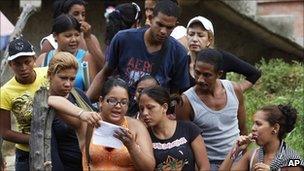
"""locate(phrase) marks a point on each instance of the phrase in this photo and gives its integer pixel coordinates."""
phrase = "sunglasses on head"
(137, 10)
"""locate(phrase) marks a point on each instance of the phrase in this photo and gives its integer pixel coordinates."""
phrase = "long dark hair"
(113, 82)
(64, 6)
(65, 22)
(124, 16)
(284, 115)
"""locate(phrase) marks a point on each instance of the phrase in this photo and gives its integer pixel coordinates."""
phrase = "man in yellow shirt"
(17, 98)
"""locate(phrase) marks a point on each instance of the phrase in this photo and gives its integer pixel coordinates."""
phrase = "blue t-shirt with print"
(130, 57)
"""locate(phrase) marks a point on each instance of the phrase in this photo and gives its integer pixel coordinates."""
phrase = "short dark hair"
(145, 77)
(211, 56)
(284, 115)
(168, 8)
(64, 6)
(113, 82)
(65, 22)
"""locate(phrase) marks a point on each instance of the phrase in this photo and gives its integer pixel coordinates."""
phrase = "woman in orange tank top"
(136, 152)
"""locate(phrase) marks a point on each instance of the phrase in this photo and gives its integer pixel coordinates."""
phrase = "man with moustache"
(147, 51)
(215, 105)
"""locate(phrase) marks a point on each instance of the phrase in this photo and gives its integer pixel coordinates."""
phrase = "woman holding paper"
(177, 145)
(136, 152)
(66, 30)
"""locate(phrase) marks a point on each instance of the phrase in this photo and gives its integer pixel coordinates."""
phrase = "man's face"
(162, 26)
(23, 68)
(205, 75)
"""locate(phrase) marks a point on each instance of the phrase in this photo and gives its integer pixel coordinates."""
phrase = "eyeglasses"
(113, 102)
(137, 10)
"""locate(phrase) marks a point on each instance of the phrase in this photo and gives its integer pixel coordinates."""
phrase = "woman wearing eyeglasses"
(136, 153)
(125, 16)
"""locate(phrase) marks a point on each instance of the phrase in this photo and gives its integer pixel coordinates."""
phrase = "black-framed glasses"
(137, 10)
(113, 102)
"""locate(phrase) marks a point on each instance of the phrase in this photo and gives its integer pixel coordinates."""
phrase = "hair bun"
(290, 114)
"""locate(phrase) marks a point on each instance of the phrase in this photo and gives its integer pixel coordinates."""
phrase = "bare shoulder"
(237, 88)
(94, 37)
(135, 124)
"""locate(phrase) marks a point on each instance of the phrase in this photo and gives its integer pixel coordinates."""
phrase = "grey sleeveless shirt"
(219, 128)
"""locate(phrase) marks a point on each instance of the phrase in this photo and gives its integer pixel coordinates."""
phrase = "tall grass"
(280, 83)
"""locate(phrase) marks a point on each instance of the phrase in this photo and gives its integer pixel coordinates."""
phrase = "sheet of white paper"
(104, 135)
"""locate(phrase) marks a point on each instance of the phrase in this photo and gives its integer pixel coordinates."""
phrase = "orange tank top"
(105, 158)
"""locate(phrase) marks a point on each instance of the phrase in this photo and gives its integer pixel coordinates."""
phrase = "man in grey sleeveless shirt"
(215, 105)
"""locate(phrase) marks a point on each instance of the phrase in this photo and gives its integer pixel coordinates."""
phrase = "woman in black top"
(65, 151)
(200, 35)
(177, 145)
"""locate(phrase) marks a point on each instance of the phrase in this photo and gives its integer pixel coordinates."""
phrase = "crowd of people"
(169, 96)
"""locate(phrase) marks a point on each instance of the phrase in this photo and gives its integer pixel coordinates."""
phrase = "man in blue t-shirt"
(138, 52)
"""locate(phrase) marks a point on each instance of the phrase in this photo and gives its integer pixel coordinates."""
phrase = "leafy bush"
(280, 83)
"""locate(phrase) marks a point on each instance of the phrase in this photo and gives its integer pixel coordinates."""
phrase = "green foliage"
(280, 83)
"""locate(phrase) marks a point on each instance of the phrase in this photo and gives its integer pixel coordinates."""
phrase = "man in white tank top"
(215, 105)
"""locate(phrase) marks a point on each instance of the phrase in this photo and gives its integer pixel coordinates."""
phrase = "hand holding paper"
(104, 135)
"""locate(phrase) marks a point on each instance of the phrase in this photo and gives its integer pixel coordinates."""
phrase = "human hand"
(241, 144)
(243, 141)
(91, 118)
(261, 167)
(86, 29)
(125, 136)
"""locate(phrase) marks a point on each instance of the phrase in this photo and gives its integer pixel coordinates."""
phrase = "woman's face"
(68, 41)
(151, 112)
(62, 82)
(197, 38)
(144, 84)
(115, 105)
(78, 11)
(261, 129)
(149, 6)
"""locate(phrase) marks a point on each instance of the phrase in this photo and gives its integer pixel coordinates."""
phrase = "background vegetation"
(280, 83)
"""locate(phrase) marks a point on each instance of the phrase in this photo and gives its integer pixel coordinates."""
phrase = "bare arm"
(184, 111)
(241, 114)
(242, 164)
(40, 59)
(240, 145)
(77, 115)
(92, 67)
(94, 90)
(200, 153)
(92, 45)
(7, 133)
(245, 85)
(139, 145)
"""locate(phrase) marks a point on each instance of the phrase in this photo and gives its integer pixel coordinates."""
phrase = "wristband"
(80, 113)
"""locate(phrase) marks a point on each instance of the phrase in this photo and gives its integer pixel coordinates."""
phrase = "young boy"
(17, 98)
